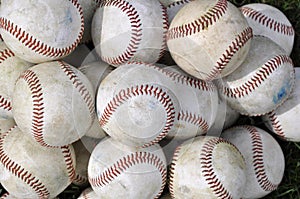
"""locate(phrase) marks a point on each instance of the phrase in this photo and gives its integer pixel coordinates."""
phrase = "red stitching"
(209, 18)
(172, 169)
(125, 163)
(5, 103)
(128, 93)
(189, 81)
(258, 163)
(267, 21)
(194, 119)
(4, 55)
(20, 172)
(178, 3)
(207, 168)
(235, 46)
(69, 162)
(263, 73)
(136, 31)
(38, 46)
(37, 124)
(87, 97)
(276, 124)
(165, 21)
(179, 78)
(79, 179)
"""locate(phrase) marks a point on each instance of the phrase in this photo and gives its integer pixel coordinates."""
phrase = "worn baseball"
(283, 120)
(263, 156)
(263, 82)
(9, 196)
(11, 67)
(82, 155)
(125, 30)
(88, 10)
(96, 71)
(198, 104)
(33, 171)
(214, 32)
(174, 6)
(269, 21)
(39, 30)
(6, 125)
(117, 171)
(225, 118)
(136, 105)
(54, 103)
(207, 167)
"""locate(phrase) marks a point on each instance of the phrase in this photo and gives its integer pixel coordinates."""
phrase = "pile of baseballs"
(141, 98)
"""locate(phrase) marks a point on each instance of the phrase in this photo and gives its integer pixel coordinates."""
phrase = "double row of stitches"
(149, 90)
(38, 46)
(198, 25)
(194, 119)
(37, 124)
(165, 23)
(177, 77)
(136, 31)
(175, 158)
(5, 103)
(276, 124)
(20, 172)
(131, 160)
(240, 41)
(206, 158)
(258, 78)
(178, 3)
(267, 21)
(66, 151)
(258, 160)
(79, 85)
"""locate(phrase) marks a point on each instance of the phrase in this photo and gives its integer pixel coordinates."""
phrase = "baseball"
(9, 196)
(225, 118)
(266, 20)
(88, 10)
(264, 159)
(11, 67)
(39, 30)
(96, 71)
(117, 170)
(6, 125)
(125, 30)
(262, 83)
(207, 167)
(198, 104)
(32, 171)
(214, 32)
(282, 120)
(136, 105)
(54, 103)
(82, 158)
(174, 7)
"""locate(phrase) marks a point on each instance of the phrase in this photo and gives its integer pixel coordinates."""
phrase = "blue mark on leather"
(283, 92)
